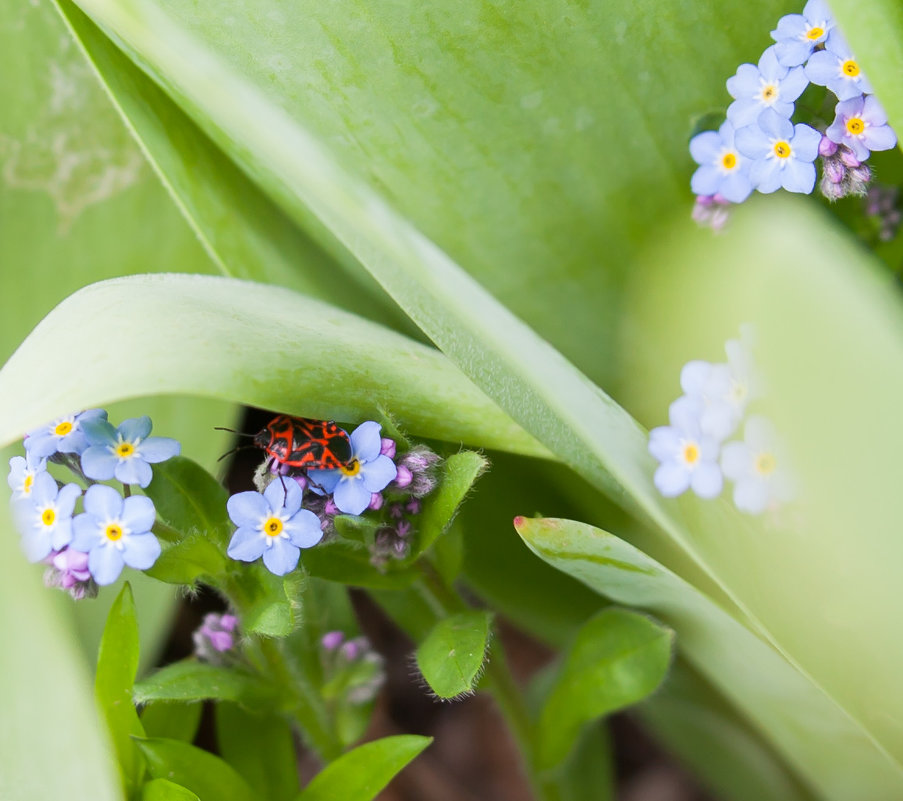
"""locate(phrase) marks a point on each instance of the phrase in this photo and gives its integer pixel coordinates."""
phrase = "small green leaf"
(117, 664)
(356, 528)
(204, 774)
(265, 603)
(618, 658)
(451, 657)
(459, 472)
(349, 563)
(360, 774)
(190, 680)
(165, 790)
(261, 748)
(187, 561)
(188, 499)
(172, 720)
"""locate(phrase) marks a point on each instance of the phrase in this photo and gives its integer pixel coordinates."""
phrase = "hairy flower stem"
(305, 706)
(497, 678)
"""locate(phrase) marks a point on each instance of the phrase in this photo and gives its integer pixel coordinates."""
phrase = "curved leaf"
(165, 790)
(360, 774)
(452, 655)
(219, 337)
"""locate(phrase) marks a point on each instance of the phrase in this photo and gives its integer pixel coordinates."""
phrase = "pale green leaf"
(451, 657)
(165, 790)
(360, 774)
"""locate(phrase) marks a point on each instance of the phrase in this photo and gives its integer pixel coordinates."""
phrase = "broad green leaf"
(727, 754)
(187, 561)
(207, 336)
(822, 744)
(618, 658)
(172, 720)
(45, 695)
(188, 499)
(459, 473)
(165, 790)
(204, 774)
(117, 664)
(190, 680)
(452, 655)
(261, 748)
(243, 231)
(360, 774)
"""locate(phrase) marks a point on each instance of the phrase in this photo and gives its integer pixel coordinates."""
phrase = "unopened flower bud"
(387, 447)
(376, 501)
(332, 640)
(69, 571)
(826, 147)
(847, 157)
(403, 477)
(215, 637)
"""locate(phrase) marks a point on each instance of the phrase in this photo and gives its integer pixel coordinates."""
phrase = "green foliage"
(165, 790)
(618, 658)
(117, 664)
(261, 748)
(452, 655)
(205, 775)
(190, 680)
(173, 721)
(360, 774)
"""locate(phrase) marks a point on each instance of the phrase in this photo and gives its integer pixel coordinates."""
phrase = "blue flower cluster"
(760, 148)
(278, 521)
(693, 451)
(89, 548)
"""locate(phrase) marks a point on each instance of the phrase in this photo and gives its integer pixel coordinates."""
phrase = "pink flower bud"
(387, 447)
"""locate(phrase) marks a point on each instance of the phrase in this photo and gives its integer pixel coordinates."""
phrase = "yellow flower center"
(352, 468)
(769, 92)
(61, 429)
(26, 485)
(765, 464)
(124, 450)
(814, 33)
(691, 453)
(48, 516)
(850, 68)
(113, 532)
(273, 527)
(782, 149)
(729, 161)
(855, 126)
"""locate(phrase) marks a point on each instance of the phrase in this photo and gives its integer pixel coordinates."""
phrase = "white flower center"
(768, 93)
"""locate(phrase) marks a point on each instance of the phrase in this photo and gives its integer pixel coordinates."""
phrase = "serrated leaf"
(190, 680)
(205, 336)
(458, 475)
(117, 664)
(204, 774)
(452, 655)
(261, 747)
(360, 774)
(815, 736)
(165, 790)
(171, 720)
(618, 658)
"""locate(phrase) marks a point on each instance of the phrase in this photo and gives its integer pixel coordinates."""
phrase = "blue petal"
(671, 479)
(247, 544)
(99, 432)
(44, 489)
(303, 529)
(36, 545)
(744, 111)
(752, 142)
(366, 442)
(706, 180)
(880, 137)
(159, 449)
(247, 508)
(41, 442)
(664, 443)
(736, 187)
(769, 67)
(135, 428)
(766, 176)
(99, 462)
(378, 473)
(65, 501)
(133, 470)
(745, 83)
(351, 496)
(707, 480)
(103, 502)
(705, 147)
(327, 479)
(774, 125)
(822, 68)
(16, 475)
(105, 564)
(793, 52)
(61, 535)
(281, 557)
(138, 514)
(794, 84)
(799, 176)
(805, 142)
(140, 551)
(284, 494)
(86, 533)
(90, 415)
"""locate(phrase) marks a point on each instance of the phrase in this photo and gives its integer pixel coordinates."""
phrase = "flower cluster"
(294, 508)
(352, 668)
(759, 147)
(694, 451)
(216, 639)
(113, 529)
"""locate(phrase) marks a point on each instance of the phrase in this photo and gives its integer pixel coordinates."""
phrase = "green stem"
(308, 708)
(497, 678)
